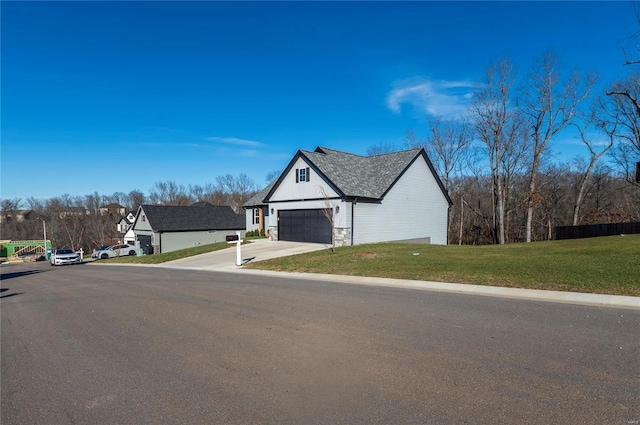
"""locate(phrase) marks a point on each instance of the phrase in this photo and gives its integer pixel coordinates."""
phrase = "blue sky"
(115, 96)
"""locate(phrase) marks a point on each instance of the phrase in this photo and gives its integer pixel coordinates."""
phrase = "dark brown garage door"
(303, 226)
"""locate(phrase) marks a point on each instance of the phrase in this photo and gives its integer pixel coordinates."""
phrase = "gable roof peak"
(355, 176)
(416, 150)
(326, 151)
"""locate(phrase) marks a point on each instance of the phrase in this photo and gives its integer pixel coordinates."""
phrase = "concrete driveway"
(257, 250)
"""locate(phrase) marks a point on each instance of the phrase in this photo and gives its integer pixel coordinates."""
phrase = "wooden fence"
(593, 230)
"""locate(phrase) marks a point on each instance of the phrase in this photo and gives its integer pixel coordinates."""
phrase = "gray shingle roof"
(165, 218)
(361, 176)
(354, 175)
(257, 199)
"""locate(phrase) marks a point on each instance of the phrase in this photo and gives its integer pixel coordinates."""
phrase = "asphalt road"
(93, 344)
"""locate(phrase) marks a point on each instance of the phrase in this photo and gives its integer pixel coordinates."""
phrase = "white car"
(114, 251)
(64, 256)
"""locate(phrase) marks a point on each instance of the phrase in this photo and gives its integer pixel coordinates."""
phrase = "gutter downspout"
(353, 203)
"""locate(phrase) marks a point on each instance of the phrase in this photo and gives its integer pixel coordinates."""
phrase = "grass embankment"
(605, 265)
(170, 256)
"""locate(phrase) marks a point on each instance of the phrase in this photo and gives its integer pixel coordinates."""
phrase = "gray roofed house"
(112, 209)
(168, 228)
(257, 210)
(394, 196)
(258, 198)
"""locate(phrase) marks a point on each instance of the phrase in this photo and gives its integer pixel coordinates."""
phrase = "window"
(302, 175)
(256, 215)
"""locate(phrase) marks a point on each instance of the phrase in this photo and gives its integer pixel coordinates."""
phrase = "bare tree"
(169, 193)
(215, 195)
(447, 146)
(492, 118)
(596, 148)
(71, 221)
(625, 110)
(627, 61)
(117, 198)
(99, 228)
(9, 226)
(328, 212)
(514, 159)
(554, 199)
(8, 208)
(382, 149)
(549, 104)
(134, 199)
(272, 176)
(238, 189)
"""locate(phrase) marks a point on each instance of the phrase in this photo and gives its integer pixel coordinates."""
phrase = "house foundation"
(342, 236)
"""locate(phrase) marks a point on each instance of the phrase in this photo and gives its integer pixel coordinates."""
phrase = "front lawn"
(170, 256)
(605, 265)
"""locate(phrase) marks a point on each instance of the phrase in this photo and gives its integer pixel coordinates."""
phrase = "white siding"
(347, 214)
(130, 237)
(415, 207)
(288, 189)
(142, 223)
(249, 220)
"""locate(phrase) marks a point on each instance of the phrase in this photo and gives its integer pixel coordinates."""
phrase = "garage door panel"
(304, 226)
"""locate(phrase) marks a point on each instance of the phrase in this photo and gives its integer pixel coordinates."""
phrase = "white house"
(391, 197)
(124, 224)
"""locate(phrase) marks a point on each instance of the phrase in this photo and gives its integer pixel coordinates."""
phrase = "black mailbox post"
(232, 238)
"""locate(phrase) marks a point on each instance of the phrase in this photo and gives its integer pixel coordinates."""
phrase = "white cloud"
(235, 141)
(249, 152)
(447, 99)
(596, 141)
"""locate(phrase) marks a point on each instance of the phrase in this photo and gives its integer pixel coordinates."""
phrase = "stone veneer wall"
(273, 233)
(342, 236)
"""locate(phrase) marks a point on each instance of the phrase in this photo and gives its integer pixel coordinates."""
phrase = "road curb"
(614, 301)
(617, 301)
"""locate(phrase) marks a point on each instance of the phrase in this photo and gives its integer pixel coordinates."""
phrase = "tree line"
(84, 222)
(497, 163)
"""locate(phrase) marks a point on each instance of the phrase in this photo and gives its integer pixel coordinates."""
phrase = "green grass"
(170, 256)
(605, 265)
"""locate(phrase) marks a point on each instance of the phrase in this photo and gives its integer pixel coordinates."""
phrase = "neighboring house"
(124, 224)
(113, 209)
(18, 215)
(73, 211)
(390, 197)
(257, 211)
(169, 228)
(130, 237)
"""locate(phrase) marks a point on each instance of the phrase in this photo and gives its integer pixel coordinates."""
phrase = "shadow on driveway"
(6, 276)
